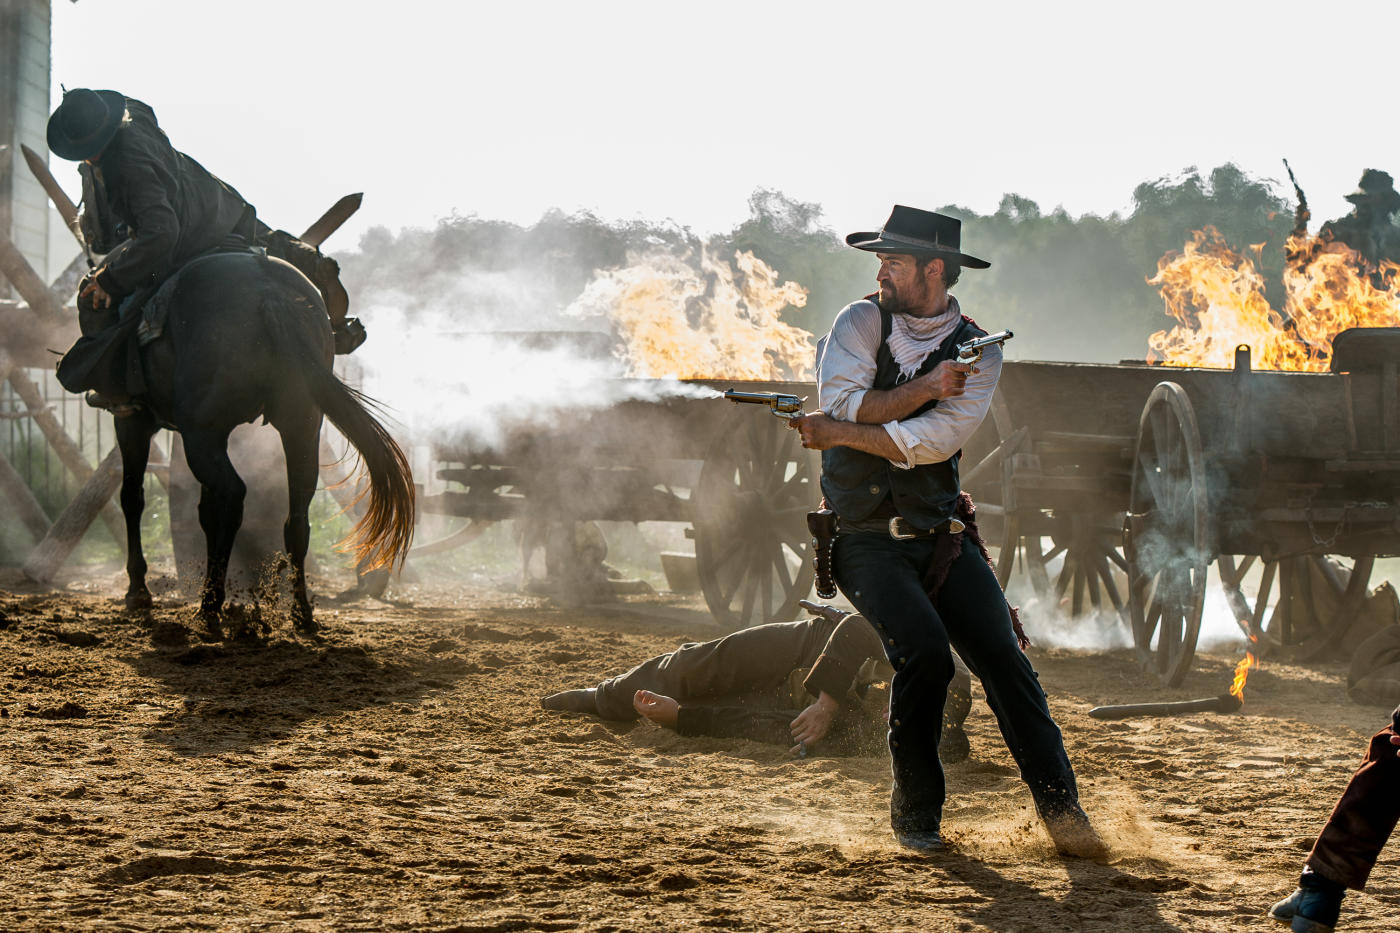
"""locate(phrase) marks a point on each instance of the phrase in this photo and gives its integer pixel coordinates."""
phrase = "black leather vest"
(855, 483)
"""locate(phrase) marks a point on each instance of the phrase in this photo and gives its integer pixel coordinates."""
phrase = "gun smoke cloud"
(483, 339)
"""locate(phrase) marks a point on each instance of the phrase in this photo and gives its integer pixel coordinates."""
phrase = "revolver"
(971, 351)
(784, 406)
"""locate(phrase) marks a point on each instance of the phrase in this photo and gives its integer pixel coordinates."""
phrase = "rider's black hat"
(1378, 187)
(85, 123)
(918, 233)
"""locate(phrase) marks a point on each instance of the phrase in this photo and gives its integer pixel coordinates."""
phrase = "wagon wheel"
(1091, 550)
(1166, 534)
(752, 547)
(1304, 623)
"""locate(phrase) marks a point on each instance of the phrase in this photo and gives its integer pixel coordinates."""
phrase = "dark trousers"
(1364, 818)
(883, 578)
(738, 686)
(746, 668)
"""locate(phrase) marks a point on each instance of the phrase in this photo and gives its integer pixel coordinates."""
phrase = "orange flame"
(718, 321)
(1216, 294)
(1242, 669)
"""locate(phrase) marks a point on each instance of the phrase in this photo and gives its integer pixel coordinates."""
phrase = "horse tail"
(383, 534)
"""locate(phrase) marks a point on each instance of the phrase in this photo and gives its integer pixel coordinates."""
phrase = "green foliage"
(1072, 288)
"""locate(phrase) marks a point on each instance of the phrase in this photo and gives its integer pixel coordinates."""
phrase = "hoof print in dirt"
(69, 710)
(170, 634)
(199, 654)
(77, 638)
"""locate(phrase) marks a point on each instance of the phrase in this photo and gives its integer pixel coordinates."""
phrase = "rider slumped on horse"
(150, 208)
(896, 409)
(244, 335)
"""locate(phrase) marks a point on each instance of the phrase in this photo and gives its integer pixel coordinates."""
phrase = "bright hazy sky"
(659, 110)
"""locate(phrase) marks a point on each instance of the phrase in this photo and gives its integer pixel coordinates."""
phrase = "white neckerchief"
(912, 339)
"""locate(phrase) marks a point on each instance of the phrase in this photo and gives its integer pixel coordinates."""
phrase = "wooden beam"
(62, 445)
(27, 282)
(51, 553)
(21, 497)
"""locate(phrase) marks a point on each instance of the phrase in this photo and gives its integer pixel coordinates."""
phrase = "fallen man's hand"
(814, 722)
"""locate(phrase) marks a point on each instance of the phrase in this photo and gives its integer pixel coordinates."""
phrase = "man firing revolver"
(896, 407)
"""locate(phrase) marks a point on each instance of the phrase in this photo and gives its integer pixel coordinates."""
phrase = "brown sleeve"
(851, 645)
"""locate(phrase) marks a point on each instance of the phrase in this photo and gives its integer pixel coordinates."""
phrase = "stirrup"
(348, 336)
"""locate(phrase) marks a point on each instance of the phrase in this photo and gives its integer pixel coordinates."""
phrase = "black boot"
(1314, 907)
(348, 336)
(119, 407)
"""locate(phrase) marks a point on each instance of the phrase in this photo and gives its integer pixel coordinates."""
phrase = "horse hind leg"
(220, 513)
(134, 433)
(301, 445)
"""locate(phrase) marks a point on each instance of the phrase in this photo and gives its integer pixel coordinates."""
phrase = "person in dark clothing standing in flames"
(895, 409)
(151, 208)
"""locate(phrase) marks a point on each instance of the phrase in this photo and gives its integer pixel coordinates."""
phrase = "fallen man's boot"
(954, 746)
(120, 407)
(572, 701)
(1309, 910)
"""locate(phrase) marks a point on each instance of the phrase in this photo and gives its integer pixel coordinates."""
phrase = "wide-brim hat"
(918, 233)
(85, 123)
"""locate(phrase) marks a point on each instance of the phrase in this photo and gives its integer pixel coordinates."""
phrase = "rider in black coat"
(151, 208)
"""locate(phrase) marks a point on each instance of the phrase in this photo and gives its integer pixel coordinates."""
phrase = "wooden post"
(30, 512)
(27, 282)
(70, 527)
(63, 445)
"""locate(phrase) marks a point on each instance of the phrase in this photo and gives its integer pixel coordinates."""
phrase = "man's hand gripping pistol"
(821, 522)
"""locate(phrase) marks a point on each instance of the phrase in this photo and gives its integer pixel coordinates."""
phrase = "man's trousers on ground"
(1364, 817)
(884, 579)
(738, 686)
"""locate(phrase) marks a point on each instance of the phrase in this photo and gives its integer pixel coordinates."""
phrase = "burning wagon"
(1126, 482)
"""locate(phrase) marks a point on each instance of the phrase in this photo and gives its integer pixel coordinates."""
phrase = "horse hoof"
(305, 624)
(210, 621)
(138, 600)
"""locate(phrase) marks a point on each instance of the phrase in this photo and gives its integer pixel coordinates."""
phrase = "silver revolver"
(971, 351)
(784, 406)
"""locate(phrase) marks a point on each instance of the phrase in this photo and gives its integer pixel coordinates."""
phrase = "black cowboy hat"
(918, 233)
(1375, 185)
(85, 123)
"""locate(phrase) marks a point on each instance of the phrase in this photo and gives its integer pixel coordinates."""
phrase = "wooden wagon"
(1126, 482)
(734, 474)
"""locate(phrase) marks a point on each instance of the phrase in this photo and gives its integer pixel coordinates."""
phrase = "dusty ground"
(397, 774)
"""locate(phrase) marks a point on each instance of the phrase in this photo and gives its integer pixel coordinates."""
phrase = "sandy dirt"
(396, 773)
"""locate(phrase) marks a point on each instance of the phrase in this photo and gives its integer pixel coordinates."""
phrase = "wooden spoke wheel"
(1088, 578)
(1299, 607)
(752, 546)
(1167, 534)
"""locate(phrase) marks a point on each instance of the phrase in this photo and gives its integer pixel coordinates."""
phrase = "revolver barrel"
(971, 351)
(784, 406)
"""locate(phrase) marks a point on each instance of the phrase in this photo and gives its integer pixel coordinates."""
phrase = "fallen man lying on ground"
(818, 684)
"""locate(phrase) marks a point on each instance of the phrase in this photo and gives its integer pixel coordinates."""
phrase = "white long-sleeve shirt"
(846, 371)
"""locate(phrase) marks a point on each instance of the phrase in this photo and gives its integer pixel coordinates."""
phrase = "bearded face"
(903, 287)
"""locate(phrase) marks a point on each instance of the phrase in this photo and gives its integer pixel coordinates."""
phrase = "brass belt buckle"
(894, 530)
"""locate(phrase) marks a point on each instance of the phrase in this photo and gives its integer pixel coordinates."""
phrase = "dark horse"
(248, 336)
